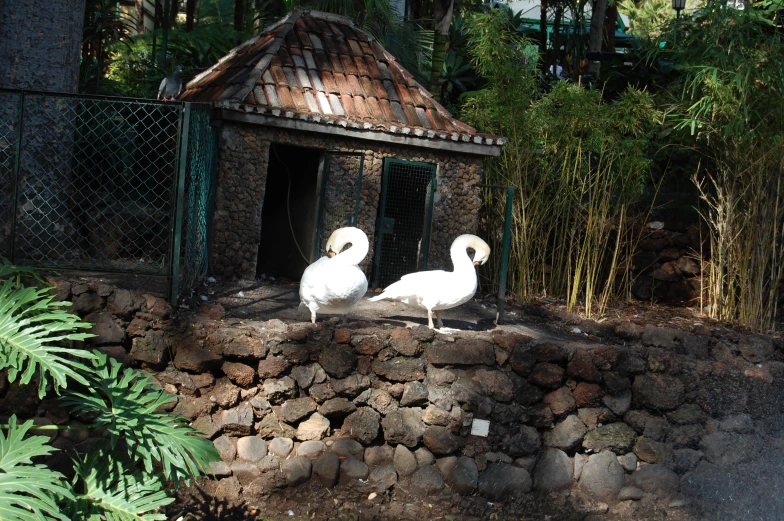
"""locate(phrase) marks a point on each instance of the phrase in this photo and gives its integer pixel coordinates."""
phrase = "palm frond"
(31, 329)
(113, 491)
(27, 491)
(126, 404)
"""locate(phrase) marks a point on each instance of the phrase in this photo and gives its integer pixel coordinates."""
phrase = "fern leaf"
(31, 326)
(127, 405)
(114, 492)
(27, 491)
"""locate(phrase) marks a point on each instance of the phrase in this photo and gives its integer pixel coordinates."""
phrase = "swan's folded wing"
(346, 283)
(413, 284)
(311, 278)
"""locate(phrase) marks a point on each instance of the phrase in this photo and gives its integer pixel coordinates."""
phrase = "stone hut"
(323, 128)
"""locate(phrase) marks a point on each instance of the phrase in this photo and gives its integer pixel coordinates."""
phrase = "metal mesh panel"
(406, 205)
(95, 183)
(90, 183)
(197, 202)
(342, 183)
(9, 137)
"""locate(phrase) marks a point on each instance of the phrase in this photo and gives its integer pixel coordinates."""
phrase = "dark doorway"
(289, 211)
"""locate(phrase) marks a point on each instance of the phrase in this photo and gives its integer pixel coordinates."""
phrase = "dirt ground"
(264, 300)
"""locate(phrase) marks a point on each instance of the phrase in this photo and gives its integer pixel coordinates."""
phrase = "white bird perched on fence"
(171, 85)
(438, 289)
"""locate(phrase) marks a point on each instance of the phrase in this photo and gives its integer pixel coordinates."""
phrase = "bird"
(171, 85)
(437, 290)
(334, 284)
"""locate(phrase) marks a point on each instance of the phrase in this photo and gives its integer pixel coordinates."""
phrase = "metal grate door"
(106, 184)
(403, 228)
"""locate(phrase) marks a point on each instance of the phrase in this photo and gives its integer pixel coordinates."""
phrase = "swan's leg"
(430, 319)
(313, 316)
(440, 322)
(345, 319)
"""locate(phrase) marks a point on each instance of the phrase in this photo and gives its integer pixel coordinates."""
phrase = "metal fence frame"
(183, 185)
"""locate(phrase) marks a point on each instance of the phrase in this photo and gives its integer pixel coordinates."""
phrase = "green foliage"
(579, 165)
(135, 69)
(115, 491)
(725, 108)
(126, 406)
(649, 18)
(121, 478)
(28, 491)
(732, 72)
(31, 331)
(106, 29)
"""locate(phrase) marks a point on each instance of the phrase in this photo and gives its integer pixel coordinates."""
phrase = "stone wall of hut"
(242, 175)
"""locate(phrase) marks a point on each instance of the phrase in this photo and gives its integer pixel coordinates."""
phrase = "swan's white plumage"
(334, 285)
(436, 290)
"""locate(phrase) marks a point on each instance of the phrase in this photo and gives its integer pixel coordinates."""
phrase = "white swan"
(335, 284)
(438, 289)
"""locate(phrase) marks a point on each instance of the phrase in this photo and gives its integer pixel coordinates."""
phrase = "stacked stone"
(667, 263)
(660, 416)
(242, 175)
(608, 423)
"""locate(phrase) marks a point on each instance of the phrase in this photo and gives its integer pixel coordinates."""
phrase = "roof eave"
(460, 146)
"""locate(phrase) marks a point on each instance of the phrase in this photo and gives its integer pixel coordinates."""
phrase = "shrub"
(124, 475)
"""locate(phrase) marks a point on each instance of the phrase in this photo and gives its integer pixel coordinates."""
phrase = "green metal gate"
(403, 227)
(341, 191)
(106, 184)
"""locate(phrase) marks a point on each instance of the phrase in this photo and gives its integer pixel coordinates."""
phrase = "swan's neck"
(357, 252)
(460, 259)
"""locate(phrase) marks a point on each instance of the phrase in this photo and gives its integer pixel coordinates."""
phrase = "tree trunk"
(174, 7)
(557, 32)
(239, 15)
(190, 14)
(597, 28)
(39, 45)
(543, 28)
(442, 10)
(610, 26)
(140, 16)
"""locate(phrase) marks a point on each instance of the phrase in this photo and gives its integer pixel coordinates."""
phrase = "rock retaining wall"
(650, 413)
(668, 263)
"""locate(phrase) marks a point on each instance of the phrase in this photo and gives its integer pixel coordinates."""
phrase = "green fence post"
(505, 255)
(17, 166)
(180, 202)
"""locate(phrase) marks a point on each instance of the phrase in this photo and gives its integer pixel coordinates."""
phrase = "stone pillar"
(39, 48)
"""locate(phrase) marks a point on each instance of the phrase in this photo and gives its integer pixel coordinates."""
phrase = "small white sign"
(480, 428)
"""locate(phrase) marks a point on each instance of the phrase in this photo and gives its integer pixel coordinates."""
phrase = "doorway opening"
(289, 211)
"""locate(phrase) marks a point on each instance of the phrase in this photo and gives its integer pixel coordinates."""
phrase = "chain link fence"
(106, 184)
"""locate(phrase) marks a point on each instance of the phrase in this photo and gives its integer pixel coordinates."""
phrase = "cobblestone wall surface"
(242, 173)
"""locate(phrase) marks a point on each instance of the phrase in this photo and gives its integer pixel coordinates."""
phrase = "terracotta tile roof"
(319, 67)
